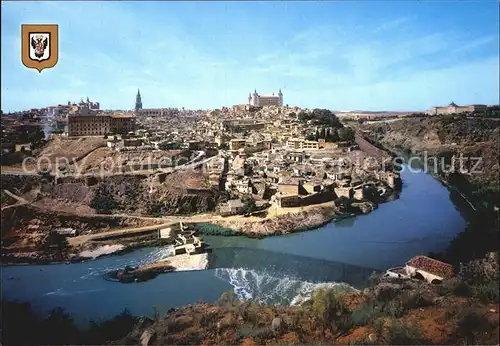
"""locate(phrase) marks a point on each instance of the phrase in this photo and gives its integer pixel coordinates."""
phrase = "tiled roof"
(432, 266)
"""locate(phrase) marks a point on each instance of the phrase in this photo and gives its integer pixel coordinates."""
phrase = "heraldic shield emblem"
(39, 45)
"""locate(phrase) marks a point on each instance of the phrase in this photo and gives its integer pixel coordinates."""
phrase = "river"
(278, 270)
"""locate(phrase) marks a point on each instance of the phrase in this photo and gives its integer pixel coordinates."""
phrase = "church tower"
(138, 102)
(280, 94)
(255, 98)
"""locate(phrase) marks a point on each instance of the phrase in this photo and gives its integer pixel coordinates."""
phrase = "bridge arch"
(420, 276)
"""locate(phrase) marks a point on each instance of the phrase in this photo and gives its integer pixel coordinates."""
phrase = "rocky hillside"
(178, 193)
(182, 192)
(462, 310)
(446, 136)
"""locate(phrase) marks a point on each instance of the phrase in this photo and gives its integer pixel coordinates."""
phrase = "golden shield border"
(53, 31)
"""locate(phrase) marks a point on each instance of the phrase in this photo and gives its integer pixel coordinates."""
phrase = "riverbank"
(281, 221)
(273, 270)
(301, 220)
(86, 252)
(451, 187)
(276, 221)
(475, 195)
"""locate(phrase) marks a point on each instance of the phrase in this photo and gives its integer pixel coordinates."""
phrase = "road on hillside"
(367, 147)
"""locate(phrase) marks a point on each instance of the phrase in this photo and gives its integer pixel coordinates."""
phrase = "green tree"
(103, 200)
(333, 136)
(320, 117)
(322, 133)
(249, 206)
(31, 134)
(58, 328)
(55, 239)
(169, 146)
(346, 134)
(329, 308)
(304, 117)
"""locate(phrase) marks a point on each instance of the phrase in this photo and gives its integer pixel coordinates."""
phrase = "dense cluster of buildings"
(262, 149)
(268, 157)
(293, 178)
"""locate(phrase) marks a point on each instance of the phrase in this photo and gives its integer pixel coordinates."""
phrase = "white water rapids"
(267, 288)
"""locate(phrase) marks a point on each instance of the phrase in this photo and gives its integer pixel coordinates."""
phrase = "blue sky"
(370, 55)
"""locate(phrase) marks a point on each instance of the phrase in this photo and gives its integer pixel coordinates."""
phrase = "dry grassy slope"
(71, 148)
(389, 312)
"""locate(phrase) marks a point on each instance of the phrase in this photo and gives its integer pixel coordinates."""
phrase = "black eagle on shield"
(39, 44)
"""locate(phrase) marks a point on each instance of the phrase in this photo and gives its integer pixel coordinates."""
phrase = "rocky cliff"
(445, 136)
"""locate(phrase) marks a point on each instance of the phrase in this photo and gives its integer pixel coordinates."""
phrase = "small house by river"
(429, 269)
(423, 268)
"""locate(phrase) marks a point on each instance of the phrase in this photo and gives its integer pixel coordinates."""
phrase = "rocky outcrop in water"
(282, 224)
(139, 274)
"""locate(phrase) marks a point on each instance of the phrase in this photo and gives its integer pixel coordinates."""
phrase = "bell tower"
(138, 102)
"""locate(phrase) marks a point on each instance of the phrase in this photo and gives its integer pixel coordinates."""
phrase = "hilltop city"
(81, 183)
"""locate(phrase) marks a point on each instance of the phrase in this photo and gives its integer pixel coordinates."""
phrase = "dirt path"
(369, 148)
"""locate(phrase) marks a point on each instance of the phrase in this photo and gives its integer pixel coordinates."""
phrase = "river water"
(277, 270)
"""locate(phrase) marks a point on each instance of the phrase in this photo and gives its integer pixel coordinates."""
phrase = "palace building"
(265, 100)
(453, 108)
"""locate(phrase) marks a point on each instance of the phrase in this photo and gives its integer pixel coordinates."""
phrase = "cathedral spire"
(138, 101)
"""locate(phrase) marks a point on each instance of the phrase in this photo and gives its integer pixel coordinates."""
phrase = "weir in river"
(281, 269)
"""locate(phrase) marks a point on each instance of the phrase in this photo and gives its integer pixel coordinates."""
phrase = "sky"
(344, 55)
